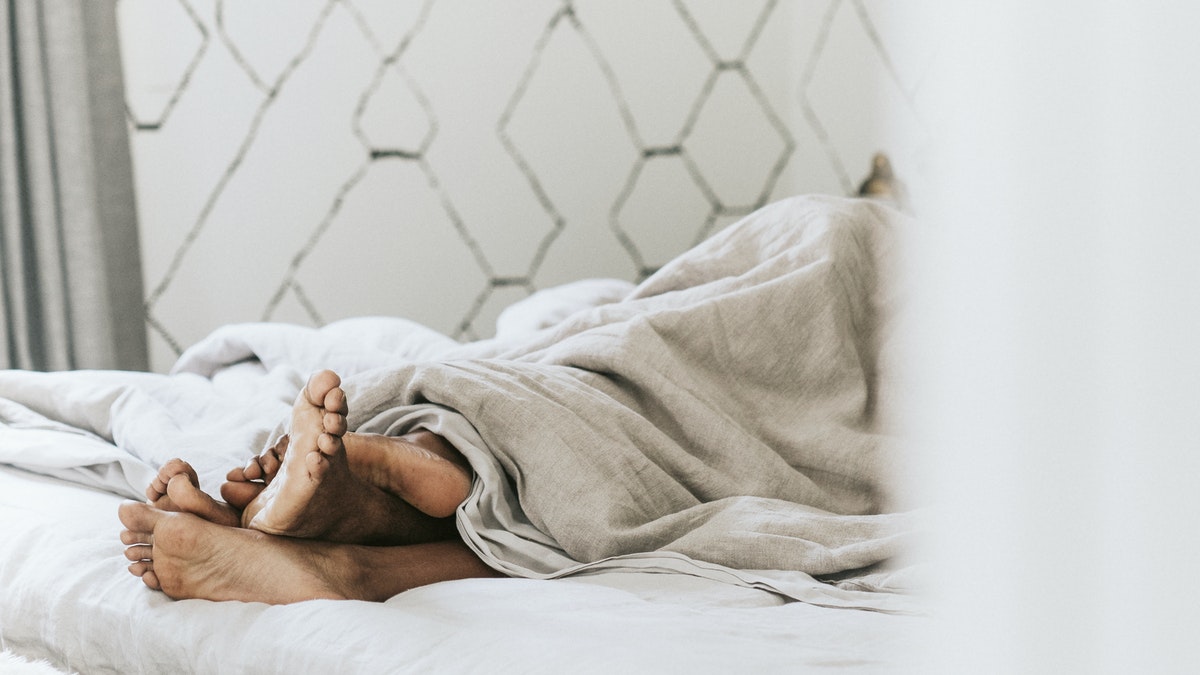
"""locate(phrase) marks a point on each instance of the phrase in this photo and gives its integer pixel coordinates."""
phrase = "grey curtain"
(70, 268)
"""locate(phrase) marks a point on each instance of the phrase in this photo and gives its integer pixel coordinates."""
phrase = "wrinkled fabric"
(727, 411)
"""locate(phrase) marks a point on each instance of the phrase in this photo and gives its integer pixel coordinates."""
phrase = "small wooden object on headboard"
(883, 185)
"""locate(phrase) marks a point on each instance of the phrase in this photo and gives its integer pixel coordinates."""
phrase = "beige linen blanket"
(724, 417)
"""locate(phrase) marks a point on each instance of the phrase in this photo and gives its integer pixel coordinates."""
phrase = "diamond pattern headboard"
(308, 160)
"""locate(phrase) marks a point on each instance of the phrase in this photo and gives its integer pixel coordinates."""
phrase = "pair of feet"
(319, 487)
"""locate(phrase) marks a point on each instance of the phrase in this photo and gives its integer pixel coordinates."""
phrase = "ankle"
(336, 570)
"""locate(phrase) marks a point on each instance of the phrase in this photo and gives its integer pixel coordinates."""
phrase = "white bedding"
(94, 438)
(67, 598)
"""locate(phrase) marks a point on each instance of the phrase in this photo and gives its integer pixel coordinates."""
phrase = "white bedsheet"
(68, 598)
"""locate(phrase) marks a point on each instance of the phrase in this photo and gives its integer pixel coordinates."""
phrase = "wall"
(310, 160)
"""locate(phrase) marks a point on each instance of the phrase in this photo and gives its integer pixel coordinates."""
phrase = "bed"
(693, 474)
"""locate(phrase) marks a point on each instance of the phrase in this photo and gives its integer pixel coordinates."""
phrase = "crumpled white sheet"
(223, 397)
(67, 597)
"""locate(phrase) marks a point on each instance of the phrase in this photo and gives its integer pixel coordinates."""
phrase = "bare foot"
(185, 556)
(177, 488)
(419, 467)
(315, 494)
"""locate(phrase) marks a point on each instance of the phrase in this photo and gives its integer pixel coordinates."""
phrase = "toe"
(138, 517)
(180, 467)
(192, 499)
(329, 444)
(240, 494)
(316, 463)
(269, 463)
(335, 401)
(157, 488)
(253, 469)
(139, 552)
(334, 423)
(129, 537)
(187, 496)
(151, 579)
(173, 467)
(319, 386)
(141, 568)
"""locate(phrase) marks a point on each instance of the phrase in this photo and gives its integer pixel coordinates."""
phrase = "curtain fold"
(71, 292)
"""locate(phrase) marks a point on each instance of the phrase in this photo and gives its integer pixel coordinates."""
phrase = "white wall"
(308, 160)
(1060, 320)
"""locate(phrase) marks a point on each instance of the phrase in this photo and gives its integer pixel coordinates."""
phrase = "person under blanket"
(732, 417)
(324, 514)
